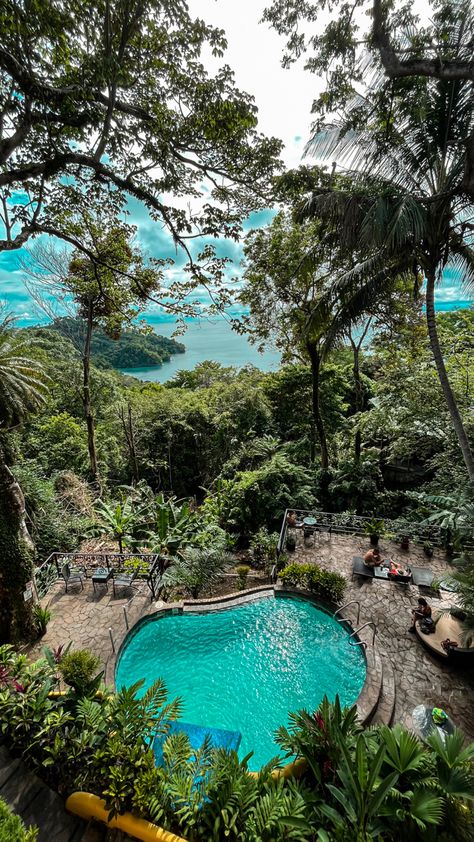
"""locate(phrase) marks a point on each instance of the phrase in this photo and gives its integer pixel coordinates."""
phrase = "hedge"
(323, 583)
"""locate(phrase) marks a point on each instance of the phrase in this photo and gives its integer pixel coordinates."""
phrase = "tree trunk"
(16, 551)
(315, 359)
(443, 376)
(86, 401)
(130, 439)
(358, 394)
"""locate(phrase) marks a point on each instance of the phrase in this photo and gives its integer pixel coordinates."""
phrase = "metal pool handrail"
(362, 642)
(342, 619)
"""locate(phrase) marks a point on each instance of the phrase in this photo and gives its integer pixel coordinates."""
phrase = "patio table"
(101, 576)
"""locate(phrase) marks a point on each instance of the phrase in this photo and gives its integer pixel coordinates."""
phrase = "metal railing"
(342, 619)
(149, 567)
(346, 523)
(362, 642)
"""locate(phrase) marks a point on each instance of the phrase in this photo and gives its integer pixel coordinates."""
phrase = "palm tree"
(23, 385)
(401, 208)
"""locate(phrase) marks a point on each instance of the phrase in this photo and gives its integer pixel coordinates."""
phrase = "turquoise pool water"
(245, 668)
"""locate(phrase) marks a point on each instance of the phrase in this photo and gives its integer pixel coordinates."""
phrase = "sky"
(283, 98)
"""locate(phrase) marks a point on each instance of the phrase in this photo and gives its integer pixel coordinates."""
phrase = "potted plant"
(290, 541)
(428, 548)
(374, 528)
(404, 539)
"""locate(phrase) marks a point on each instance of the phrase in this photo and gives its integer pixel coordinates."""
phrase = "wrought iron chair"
(73, 575)
(124, 580)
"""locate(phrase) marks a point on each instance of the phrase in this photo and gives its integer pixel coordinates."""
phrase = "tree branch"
(395, 69)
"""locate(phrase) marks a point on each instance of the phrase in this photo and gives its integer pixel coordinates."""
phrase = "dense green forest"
(133, 349)
(250, 434)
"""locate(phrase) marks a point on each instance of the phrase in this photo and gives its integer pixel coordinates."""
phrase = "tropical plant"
(42, 617)
(12, 828)
(382, 782)
(197, 569)
(374, 528)
(242, 571)
(79, 669)
(120, 518)
(453, 513)
(210, 795)
(315, 737)
(23, 386)
(264, 548)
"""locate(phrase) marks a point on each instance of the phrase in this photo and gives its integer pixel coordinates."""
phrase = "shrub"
(323, 583)
(243, 571)
(78, 670)
(264, 548)
(12, 828)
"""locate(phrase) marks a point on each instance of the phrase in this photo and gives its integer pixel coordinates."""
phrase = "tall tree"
(285, 277)
(108, 281)
(436, 44)
(403, 204)
(23, 385)
(111, 98)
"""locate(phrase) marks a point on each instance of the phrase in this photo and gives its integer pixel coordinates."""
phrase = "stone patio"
(420, 678)
(85, 617)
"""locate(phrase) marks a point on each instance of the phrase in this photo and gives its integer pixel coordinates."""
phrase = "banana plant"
(174, 526)
(120, 518)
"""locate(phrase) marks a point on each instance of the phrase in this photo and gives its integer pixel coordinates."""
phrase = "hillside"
(132, 350)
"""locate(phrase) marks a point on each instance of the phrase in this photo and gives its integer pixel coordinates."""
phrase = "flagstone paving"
(85, 617)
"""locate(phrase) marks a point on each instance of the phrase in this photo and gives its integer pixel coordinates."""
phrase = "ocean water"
(207, 340)
(245, 668)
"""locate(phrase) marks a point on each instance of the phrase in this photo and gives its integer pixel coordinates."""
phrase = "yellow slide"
(92, 807)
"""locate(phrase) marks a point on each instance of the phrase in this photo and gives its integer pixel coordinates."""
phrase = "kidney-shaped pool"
(244, 668)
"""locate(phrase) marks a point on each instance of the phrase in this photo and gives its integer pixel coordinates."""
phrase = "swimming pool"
(244, 668)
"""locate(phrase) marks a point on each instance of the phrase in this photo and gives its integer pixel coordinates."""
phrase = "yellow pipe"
(295, 769)
(90, 806)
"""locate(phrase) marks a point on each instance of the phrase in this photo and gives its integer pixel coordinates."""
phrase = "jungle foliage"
(379, 783)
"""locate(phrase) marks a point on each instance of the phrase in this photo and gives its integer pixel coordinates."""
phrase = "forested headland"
(133, 349)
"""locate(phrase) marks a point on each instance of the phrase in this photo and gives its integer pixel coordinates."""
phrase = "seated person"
(291, 519)
(422, 612)
(372, 558)
(396, 569)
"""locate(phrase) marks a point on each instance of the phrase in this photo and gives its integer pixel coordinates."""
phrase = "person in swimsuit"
(372, 558)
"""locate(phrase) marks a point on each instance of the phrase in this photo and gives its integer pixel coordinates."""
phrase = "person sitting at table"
(422, 612)
(372, 558)
(291, 520)
(396, 569)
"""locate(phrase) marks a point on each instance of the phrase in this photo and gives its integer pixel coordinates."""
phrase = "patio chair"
(124, 580)
(73, 575)
(361, 569)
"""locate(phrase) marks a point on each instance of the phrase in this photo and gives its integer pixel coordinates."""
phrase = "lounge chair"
(422, 576)
(361, 569)
(73, 575)
(124, 580)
